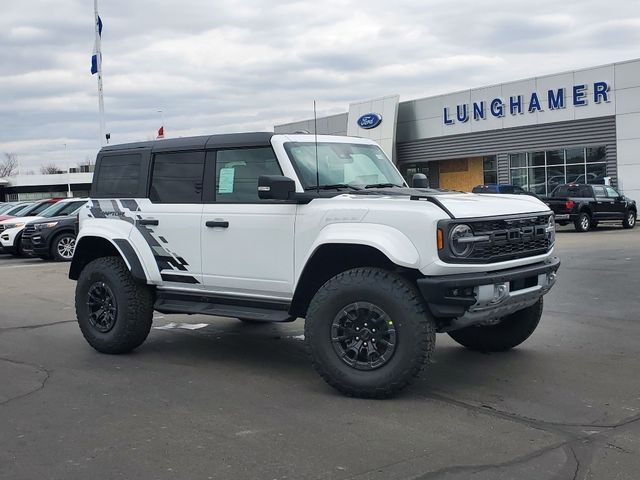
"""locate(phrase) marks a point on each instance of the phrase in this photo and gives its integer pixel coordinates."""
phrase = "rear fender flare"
(139, 258)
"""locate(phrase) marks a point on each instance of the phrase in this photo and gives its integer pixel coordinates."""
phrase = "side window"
(561, 191)
(237, 173)
(599, 191)
(585, 191)
(177, 177)
(611, 192)
(70, 208)
(118, 176)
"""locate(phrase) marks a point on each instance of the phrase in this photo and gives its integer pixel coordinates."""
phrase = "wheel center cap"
(365, 334)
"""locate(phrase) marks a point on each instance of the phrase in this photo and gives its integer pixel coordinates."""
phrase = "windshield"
(19, 210)
(61, 209)
(6, 207)
(37, 209)
(342, 165)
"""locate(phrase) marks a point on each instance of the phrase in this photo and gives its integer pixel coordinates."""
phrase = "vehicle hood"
(5, 217)
(465, 205)
(475, 205)
(55, 219)
(21, 219)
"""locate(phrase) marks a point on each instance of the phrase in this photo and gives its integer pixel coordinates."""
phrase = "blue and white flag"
(94, 57)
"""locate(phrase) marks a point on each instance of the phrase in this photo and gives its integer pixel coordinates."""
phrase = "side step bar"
(234, 307)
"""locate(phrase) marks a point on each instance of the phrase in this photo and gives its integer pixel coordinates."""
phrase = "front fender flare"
(394, 244)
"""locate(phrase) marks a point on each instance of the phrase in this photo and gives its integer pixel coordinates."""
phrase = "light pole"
(66, 159)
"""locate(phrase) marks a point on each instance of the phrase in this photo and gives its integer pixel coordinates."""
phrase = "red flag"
(161, 132)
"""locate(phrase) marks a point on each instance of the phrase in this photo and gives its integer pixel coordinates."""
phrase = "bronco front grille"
(508, 238)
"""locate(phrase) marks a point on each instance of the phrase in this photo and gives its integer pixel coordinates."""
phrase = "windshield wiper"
(383, 185)
(332, 187)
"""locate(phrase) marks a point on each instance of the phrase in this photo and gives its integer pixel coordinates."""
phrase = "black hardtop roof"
(225, 140)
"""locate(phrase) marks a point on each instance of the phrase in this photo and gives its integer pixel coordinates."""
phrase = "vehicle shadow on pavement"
(274, 349)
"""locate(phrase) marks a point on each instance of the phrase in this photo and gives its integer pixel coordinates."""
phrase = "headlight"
(7, 226)
(41, 226)
(551, 230)
(457, 237)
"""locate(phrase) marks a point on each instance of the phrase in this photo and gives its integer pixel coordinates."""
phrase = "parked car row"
(584, 205)
(44, 229)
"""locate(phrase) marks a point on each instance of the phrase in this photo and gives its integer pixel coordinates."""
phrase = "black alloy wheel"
(114, 311)
(630, 220)
(363, 336)
(102, 306)
(368, 332)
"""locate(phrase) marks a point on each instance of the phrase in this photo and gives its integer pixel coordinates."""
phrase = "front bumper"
(6, 242)
(36, 243)
(476, 298)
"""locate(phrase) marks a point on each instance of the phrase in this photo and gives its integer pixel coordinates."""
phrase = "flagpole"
(99, 67)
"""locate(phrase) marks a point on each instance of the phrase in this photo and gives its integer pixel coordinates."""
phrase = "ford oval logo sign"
(369, 120)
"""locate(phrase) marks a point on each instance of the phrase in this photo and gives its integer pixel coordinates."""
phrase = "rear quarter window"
(118, 176)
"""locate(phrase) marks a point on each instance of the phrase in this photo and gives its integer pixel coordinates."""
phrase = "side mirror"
(275, 187)
(420, 180)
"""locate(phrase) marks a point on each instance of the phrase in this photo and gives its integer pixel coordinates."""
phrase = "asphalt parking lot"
(227, 400)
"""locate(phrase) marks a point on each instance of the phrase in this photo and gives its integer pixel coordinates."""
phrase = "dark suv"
(53, 238)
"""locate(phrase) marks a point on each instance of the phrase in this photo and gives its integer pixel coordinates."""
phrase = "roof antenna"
(315, 132)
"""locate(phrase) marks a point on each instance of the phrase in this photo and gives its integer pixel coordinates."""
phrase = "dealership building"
(581, 126)
(37, 187)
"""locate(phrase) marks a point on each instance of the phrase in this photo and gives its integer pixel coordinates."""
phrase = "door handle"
(148, 222)
(217, 223)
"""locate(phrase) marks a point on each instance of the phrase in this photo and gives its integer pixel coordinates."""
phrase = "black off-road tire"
(630, 219)
(583, 222)
(54, 252)
(134, 306)
(399, 299)
(509, 333)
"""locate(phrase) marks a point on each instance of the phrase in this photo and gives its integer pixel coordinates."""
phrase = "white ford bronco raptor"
(265, 227)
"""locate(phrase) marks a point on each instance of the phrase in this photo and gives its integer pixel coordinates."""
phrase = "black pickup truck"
(588, 205)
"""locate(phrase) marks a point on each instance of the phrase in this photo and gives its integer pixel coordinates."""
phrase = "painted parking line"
(31, 265)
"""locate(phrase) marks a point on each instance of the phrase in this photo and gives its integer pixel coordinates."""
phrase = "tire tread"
(397, 286)
(137, 318)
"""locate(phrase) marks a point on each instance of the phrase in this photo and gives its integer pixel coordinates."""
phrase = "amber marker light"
(440, 241)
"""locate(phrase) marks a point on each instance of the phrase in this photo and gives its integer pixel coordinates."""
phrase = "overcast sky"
(239, 65)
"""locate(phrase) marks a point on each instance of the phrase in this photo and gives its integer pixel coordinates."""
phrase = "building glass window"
(575, 155)
(537, 159)
(541, 172)
(596, 154)
(490, 169)
(518, 160)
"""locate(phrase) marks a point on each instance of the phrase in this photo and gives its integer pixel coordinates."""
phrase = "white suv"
(265, 227)
(11, 230)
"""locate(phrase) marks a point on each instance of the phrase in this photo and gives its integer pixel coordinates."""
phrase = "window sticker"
(225, 185)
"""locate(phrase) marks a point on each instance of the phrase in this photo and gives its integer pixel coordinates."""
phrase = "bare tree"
(9, 165)
(49, 169)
